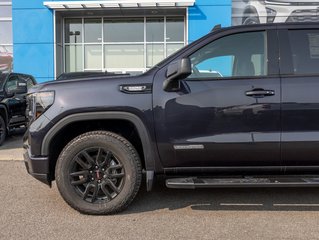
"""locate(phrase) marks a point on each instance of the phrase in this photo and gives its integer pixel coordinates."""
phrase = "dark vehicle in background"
(254, 124)
(6, 60)
(13, 90)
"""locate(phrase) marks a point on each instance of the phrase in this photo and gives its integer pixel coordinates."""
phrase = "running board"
(194, 182)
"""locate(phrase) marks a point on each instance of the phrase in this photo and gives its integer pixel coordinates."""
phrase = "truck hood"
(93, 82)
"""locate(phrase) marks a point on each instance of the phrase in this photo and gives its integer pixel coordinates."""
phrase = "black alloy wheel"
(98, 173)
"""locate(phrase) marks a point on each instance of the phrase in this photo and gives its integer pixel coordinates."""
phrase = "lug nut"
(92, 179)
(104, 176)
(91, 171)
(96, 167)
(103, 169)
(99, 181)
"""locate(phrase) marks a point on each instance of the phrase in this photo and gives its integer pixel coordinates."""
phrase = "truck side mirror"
(21, 87)
(176, 71)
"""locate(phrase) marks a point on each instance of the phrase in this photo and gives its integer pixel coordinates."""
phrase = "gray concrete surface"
(31, 210)
(11, 149)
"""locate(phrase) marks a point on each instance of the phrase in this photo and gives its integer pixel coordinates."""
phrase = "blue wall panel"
(33, 33)
(33, 39)
(205, 14)
(35, 59)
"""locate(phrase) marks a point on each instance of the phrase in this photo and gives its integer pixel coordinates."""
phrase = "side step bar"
(194, 182)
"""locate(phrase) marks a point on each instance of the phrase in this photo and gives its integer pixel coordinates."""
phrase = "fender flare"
(250, 9)
(148, 149)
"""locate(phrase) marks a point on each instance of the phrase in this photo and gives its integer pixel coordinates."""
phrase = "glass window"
(73, 58)
(175, 29)
(93, 30)
(305, 51)
(5, 11)
(124, 30)
(5, 32)
(155, 29)
(12, 84)
(124, 56)
(130, 44)
(236, 55)
(155, 53)
(172, 48)
(73, 30)
(93, 57)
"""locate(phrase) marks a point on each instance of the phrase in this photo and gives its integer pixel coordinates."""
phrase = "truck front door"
(227, 112)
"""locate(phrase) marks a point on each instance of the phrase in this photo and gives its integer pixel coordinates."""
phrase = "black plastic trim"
(37, 167)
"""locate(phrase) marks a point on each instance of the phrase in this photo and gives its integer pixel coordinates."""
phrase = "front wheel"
(251, 19)
(98, 173)
(3, 130)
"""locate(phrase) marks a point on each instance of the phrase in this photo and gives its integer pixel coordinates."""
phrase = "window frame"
(285, 53)
(103, 43)
(270, 45)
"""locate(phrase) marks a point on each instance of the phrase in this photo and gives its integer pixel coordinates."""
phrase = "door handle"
(259, 93)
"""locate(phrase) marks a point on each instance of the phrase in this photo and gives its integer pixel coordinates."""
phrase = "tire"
(98, 173)
(3, 130)
(251, 19)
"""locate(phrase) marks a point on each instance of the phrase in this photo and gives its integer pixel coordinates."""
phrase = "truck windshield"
(2, 79)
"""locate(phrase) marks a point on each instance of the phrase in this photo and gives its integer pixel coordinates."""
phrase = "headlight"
(39, 102)
(271, 15)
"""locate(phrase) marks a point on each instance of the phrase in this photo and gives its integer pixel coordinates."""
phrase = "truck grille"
(304, 16)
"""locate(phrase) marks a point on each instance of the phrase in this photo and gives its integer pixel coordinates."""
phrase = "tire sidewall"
(123, 153)
(251, 19)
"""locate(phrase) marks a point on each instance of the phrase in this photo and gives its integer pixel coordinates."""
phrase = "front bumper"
(295, 13)
(38, 167)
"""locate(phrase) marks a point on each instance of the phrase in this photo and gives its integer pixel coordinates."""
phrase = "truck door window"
(237, 55)
(304, 45)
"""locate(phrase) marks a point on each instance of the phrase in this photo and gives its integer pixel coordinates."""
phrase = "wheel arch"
(251, 9)
(4, 113)
(144, 135)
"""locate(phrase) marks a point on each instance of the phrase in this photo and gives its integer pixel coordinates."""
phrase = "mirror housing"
(22, 87)
(176, 71)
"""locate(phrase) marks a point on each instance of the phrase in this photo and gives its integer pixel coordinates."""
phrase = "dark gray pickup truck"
(236, 108)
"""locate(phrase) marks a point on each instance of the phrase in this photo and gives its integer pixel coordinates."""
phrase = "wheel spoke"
(112, 186)
(116, 175)
(87, 191)
(96, 188)
(99, 155)
(114, 167)
(82, 163)
(79, 182)
(88, 158)
(106, 159)
(80, 173)
(105, 191)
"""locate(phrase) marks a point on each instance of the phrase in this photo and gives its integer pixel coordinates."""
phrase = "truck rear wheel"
(3, 130)
(98, 173)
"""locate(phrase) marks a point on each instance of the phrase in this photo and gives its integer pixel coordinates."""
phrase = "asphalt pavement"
(31, 210)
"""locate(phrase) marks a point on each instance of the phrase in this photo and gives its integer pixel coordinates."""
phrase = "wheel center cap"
(98, 174)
